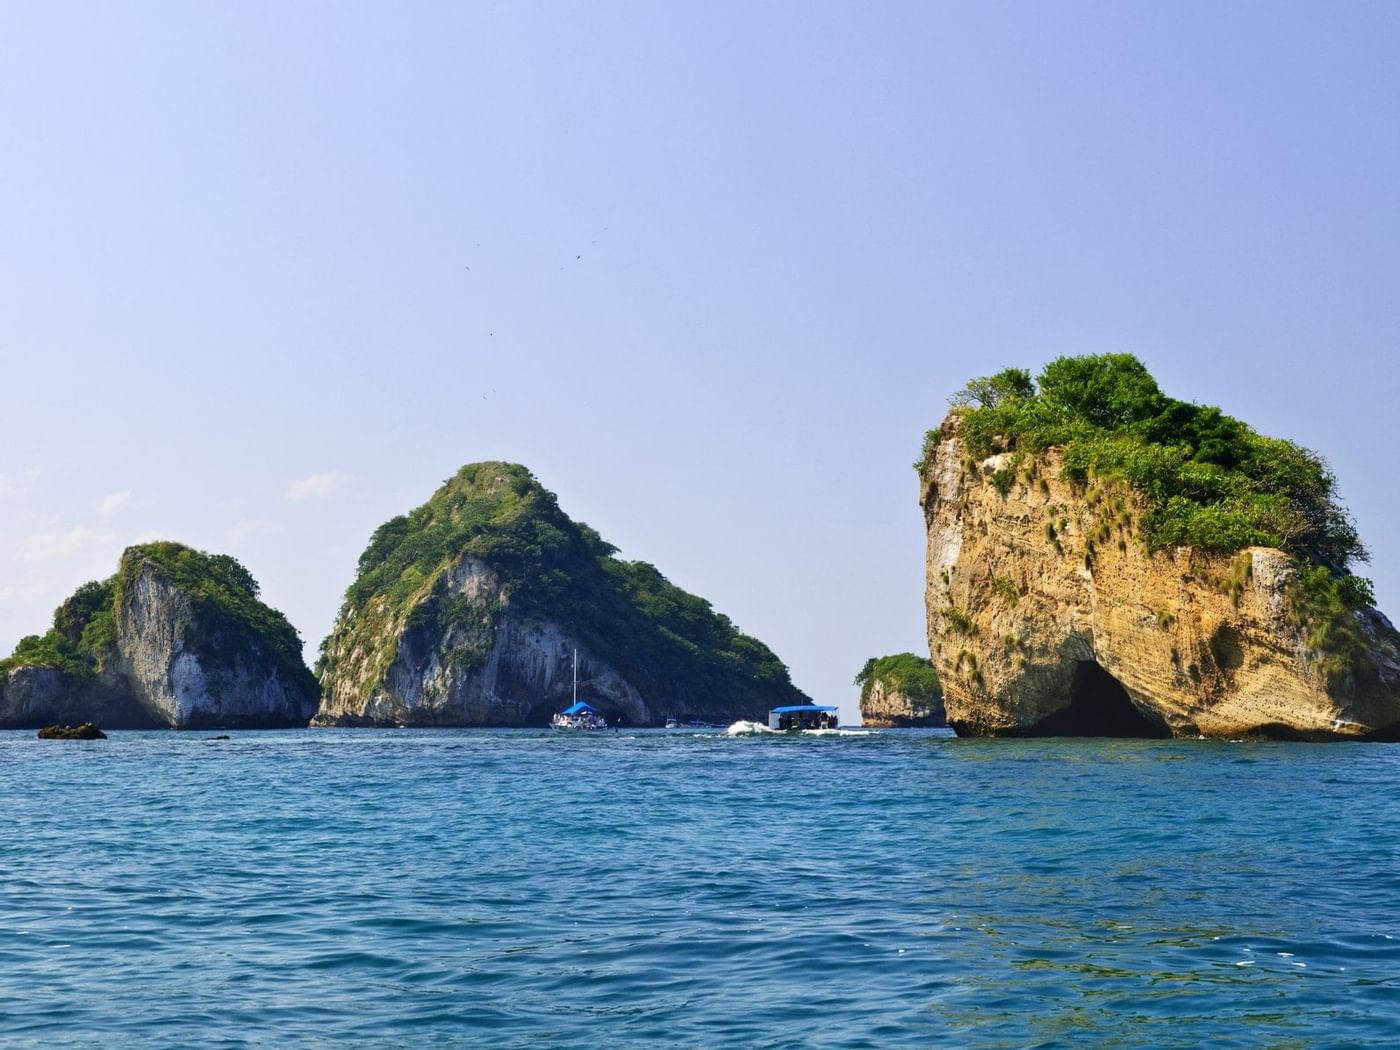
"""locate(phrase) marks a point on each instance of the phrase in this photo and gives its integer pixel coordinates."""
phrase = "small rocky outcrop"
(86, 731)
(177, 638)
(899, 692)
(1054, 607)
(470, 609)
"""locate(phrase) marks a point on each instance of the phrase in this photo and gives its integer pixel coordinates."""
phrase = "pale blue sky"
(269, 273)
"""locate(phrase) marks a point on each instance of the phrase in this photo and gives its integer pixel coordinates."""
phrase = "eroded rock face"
(1046, 615)
(469, 659)
(165, 654)
(887, 707)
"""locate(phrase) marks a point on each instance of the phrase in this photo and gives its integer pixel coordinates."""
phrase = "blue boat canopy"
(794, 709)
(580, 707)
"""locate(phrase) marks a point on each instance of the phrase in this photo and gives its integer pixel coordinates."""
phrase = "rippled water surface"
(516, 889)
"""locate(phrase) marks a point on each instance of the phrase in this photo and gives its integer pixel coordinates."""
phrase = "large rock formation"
(177, 638)
(1049, 615)
(469, 610)
(900, 691)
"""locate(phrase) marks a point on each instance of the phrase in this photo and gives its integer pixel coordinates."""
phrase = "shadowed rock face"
(1045, 617)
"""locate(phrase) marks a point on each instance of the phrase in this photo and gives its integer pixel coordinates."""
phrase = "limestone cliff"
(888, 706)
(1049, 614)
(176, 638)
(468, 611)
(899, 692)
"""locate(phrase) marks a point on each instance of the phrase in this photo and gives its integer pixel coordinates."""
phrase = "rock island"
(468, 610)
(176, 639)
(1106, 560)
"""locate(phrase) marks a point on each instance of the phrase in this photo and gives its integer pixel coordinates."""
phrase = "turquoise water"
(343, 887)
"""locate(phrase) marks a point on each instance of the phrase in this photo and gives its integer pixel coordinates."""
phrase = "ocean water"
(511, 888)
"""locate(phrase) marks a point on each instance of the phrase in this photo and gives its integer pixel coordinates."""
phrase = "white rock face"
(184, 688)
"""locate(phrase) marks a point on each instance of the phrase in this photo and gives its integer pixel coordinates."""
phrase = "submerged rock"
(468, 611)
(177, 638)
(1054, 609)
(86, 731)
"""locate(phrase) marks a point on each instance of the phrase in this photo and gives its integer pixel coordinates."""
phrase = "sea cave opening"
(539, 716)
(1099, 706)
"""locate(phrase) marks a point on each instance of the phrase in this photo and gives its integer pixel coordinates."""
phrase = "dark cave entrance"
(1099, 706)
(539, 716)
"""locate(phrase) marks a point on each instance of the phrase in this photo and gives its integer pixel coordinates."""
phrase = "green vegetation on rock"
(81, 639)
(1207, 480)
(660, 638)
(905, 673)
(227, 617)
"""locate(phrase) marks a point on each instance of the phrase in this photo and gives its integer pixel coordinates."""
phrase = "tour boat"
(580, 714)
(802, 716)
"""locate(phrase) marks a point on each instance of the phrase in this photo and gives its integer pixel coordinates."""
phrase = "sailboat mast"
(575, 676)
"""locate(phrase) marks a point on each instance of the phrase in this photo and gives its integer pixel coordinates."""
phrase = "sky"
(270, 273)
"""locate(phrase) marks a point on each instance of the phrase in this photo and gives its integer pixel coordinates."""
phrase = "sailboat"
(580, 714)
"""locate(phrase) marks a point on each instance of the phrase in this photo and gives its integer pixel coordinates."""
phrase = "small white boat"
(580, 714)
(672, 722)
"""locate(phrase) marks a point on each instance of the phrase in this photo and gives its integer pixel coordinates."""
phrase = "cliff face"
(885, 705)
(187, 673)
(468, 610)
(465, 656)
(169, 651)
(900, 690)
(1047, 615)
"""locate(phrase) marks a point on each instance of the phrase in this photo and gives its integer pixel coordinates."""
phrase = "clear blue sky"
(269, 273)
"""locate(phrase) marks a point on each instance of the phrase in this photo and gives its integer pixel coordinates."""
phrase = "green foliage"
(1107, 390)
(662, 639)
(959, 620)
(932, 439)
(990, 391)
(80, 639)
(1005, 476)
(1004, 587)
(1207, 480)
(1324, 607)
(907, 673)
